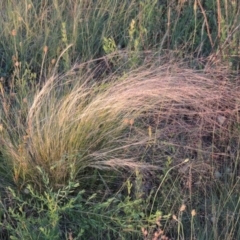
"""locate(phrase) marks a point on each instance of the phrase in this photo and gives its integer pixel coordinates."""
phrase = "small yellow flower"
(132, 24)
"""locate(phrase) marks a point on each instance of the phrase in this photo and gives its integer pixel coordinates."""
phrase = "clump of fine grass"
(72, 124)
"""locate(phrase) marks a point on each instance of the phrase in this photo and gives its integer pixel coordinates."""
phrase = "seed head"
(193, 213)
(182, 208)
(45, 49)
(14, 32)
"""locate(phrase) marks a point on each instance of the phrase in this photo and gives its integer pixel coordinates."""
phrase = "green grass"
(119, 120)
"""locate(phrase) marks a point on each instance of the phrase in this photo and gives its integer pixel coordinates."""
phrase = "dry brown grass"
(136, 120)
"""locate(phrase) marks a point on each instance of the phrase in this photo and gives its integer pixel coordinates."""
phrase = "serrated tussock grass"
(72, 124)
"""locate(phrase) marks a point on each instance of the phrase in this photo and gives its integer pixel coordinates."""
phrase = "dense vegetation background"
(119, 119)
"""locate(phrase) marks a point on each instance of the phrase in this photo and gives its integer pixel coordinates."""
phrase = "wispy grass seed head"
(73, 121)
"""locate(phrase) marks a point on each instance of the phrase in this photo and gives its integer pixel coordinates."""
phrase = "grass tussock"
(72, 124)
